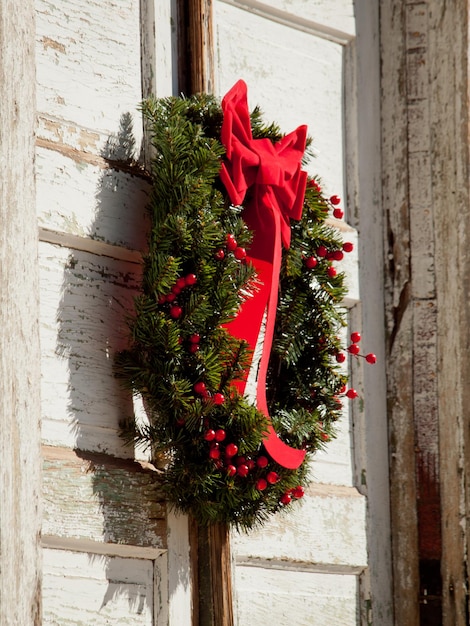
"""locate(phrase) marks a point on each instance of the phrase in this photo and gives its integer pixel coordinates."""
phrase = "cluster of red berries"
(355, 350)
(330, 255)
(231, 245)
(181, 283)
(201, 390)
(294, 493)
(337, 212)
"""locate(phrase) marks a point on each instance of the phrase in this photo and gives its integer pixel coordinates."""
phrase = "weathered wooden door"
(300, 61)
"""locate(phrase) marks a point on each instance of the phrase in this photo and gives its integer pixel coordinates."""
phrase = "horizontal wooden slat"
(86, 197)
(326, 528)
(83, 589)
(286, 598)
(84, 302)
(88, 64)
(102, 499)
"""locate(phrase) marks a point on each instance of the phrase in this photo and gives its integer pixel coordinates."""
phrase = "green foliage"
(184, 363)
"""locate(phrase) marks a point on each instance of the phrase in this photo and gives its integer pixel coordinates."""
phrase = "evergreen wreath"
(184, 362)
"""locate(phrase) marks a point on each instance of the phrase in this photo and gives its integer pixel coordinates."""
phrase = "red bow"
(272, 173)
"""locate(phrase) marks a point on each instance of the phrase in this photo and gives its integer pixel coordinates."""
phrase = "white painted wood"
(81, 588)
(90, 199)
(84, 301)
(20, 507)
(287, 598)
(88, 63)
(327, 527)
(180, 589)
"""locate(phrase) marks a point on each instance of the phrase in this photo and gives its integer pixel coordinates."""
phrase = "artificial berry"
(231, 470)
(261, 484)
(250, 464)
(340, 357)
(209, 435)
(335, 200)
(231, 449)
(219, 255)
(371, 358)
(262, 461)
(220, 434)
(218, 398)
(239, 253)
(193, 348)
(353, 349)
(338, 255)
(311, 262)
(331, 271)
(298, 492)
(176, 290)
(324, 436)
(176, 312)
(322, 251)
(181, 282)
(162, 300)
(214, 453)
(200, 388)
(231, 242)
(170, 297)
(338, 213)
(348, 246)
(242, 470)
(286, 498)
(355, 337)
(190, 279)
(351, 393)
(195, 338)
(240, 460)
(272, 477)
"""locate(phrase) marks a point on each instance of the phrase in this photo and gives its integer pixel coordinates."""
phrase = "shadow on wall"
(97, 294)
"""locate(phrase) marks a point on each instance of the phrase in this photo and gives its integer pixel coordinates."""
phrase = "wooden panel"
(82, 589)
(268, 57)
(90, 496)
(285, 598)
(327, 527)
(84, 301)
(88, 63)
(90, 199)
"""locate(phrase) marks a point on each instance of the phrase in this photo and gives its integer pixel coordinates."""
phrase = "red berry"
(298, 492)
(355, 337)
(250, 464)
(335, 200)
(351, 393)
(240, 460)
(325, 436)
(371, 358)
(262, 461)
(218, 398)
(219, 255)
(214, 453)
(348, 246)
(176, 312)
(190, 279)
(338, 255)
(195, 338)
(231, 242)
(272, 477)
(338, 213)
(220, 434)
(286, 498)
(331, 271)
(340, 357)
(231, 470)
(354, 349)
(239, 253)
(200, 388)
(209, 435)
(322, 251)
(181, 282)
(311, 262)
(161, 299)
(342, 389)
(176, 290)
(261, 484)
(170, 297)
(242, 470)
(231, 449)
(193, 348)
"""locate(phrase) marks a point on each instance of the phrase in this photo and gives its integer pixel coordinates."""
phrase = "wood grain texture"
(20, 509)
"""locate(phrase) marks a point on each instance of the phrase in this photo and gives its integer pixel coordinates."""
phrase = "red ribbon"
(268, 180)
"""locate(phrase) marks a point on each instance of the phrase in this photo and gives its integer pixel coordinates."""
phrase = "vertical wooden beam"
(196, 46)
(20, 467)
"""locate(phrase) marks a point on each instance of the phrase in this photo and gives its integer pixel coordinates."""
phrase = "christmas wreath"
(214, 281)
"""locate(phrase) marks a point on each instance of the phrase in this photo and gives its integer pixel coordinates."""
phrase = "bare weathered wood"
(196, 46)
(20, 575)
